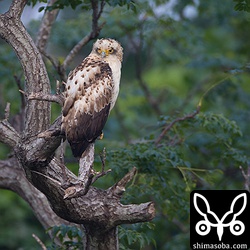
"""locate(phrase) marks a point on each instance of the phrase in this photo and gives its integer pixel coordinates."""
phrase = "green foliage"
(71, 237)
(34, 2)
(134, 238)
(218, 125)
(61, 4)
(84, 4)
(242, 5)
(129, 3)
(18, 223)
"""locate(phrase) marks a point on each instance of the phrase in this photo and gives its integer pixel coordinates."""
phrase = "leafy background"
(177, 55)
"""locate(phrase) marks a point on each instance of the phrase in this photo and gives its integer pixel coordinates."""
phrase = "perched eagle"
(90, 94)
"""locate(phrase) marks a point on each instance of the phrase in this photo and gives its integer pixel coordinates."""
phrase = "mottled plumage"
(90, 93)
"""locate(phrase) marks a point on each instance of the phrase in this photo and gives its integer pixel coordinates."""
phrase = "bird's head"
(107, 47)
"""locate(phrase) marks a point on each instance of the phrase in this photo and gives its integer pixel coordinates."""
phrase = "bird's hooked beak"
(104, 53)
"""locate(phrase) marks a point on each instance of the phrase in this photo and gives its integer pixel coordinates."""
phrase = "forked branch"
(179, 119)
(96, 28)
(119, 188)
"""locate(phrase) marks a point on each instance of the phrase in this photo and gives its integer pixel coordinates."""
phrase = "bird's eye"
(111, 51)
(98, 50)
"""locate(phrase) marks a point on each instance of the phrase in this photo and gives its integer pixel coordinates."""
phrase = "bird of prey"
(90, 93)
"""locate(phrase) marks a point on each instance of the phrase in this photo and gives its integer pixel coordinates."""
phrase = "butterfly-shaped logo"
(203, 227)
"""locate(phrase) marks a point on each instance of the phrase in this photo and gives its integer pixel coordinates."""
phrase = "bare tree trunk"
(54, 193)
(102, 241)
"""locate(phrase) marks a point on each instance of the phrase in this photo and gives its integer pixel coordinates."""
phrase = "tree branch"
(86, 174)
(45, 27)
(39, 242)
(103, 172)
(8, 134)
(154, 103)
(16, 8)
(46, 97)
(96, 14)
(246, 175)
(37, 116)
(75, 50)
(133, 213)
(39, 150)
(96, 207)
(179, 119)
(119, 188)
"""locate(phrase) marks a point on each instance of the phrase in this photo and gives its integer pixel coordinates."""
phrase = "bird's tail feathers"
(79, 147)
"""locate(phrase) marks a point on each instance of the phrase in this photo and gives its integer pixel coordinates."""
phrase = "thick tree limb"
(97, 207)
(16, 8)
(8, 134)
(104, 241)
(86, 162)
(39, 149)
(98, 210)
(85, 175)
(12, 30)
(53, 131)
(45, 27)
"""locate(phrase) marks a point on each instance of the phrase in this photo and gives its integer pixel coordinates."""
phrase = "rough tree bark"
(54, 193)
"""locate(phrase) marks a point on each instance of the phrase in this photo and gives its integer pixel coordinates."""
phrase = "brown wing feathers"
(88, 130)
(87, 104)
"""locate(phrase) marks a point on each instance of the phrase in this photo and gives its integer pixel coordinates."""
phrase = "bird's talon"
(101, 136)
